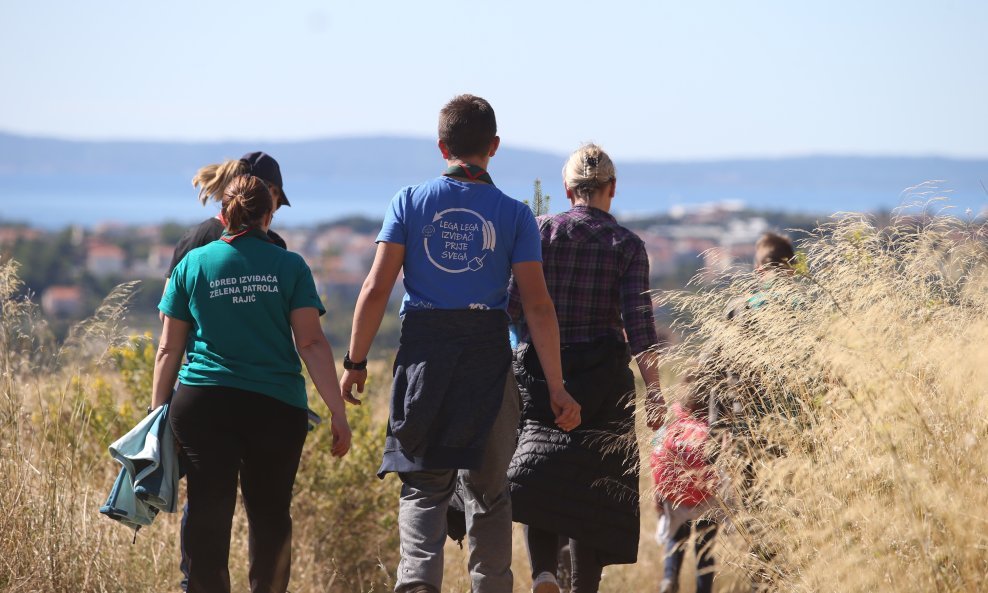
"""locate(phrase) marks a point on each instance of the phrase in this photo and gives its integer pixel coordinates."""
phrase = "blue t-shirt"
(461, 240)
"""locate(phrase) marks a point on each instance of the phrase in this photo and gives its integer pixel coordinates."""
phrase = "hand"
(350, 379)
(655, 410)
(341, 435)
(565, 408)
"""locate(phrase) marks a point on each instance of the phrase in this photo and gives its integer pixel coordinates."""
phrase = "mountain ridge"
(359, 174)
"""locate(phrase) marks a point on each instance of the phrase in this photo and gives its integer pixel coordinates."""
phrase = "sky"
(655, 80)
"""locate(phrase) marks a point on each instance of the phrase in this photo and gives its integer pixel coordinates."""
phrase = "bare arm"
(371, 305)
(655, 405)
(317, 355)
(540, 314)
(161, 316)
(171, 349)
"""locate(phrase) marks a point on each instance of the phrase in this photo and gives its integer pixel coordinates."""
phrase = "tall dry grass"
(61, 406)
(857, 461)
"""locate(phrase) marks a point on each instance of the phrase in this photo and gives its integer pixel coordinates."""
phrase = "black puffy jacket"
(582, 484)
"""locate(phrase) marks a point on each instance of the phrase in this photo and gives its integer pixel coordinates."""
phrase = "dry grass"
(863, 388)
(863, 380)
(61, 407)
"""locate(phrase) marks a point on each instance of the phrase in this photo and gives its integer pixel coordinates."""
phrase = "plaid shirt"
(597, 274)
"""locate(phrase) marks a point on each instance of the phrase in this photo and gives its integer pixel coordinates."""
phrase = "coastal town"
(68, 271)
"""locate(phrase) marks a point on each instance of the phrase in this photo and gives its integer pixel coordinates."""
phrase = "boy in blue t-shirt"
(454, 403)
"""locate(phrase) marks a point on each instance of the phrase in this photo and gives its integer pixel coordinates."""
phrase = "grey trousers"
(425, 497)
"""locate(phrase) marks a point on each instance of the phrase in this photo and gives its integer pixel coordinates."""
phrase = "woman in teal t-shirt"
(244, 310)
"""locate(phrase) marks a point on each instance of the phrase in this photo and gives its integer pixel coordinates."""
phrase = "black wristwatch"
(353, 366)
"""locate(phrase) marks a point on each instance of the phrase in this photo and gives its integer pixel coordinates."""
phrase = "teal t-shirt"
(238, 296)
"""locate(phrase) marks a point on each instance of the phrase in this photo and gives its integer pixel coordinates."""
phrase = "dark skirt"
(582, 484)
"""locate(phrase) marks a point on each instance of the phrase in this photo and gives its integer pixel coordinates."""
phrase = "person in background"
(741, 400)
(245, 311)
(583, 485)
(685, 483)
(454, 403)
(737, 403)
(774, 255)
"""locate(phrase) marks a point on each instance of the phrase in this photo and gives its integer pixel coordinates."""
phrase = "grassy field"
(862, 465)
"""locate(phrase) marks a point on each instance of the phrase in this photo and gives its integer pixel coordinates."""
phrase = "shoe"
(545, 583)
(669, 586)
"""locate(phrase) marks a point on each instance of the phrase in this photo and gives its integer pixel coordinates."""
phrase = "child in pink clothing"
(684, 489)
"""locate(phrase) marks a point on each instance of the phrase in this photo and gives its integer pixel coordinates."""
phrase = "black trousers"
(543, 553)
(228, 433)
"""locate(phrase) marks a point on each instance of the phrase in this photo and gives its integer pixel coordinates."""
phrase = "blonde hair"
(246, 201)
(587, 170)
(212, 180)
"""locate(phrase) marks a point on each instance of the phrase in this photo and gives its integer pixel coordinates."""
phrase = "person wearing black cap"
(211, 180)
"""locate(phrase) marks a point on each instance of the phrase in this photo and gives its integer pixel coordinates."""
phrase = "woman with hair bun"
(245, 310)
(211, 180)
(582, 486)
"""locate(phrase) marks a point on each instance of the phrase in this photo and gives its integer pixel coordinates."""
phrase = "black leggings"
(225, 433)
(543, 553)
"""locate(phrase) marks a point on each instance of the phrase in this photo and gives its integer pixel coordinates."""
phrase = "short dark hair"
(773, 249)
(467, 126)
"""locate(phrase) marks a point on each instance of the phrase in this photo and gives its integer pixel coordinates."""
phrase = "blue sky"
(647, 80)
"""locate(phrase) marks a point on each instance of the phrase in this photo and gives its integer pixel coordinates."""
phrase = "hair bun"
(246, 201)
(587, 169)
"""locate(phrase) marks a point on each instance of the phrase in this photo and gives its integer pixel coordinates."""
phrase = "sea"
(57, 201)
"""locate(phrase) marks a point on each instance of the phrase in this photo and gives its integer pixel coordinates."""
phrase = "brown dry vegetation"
(60, 408)
(867, 375)
(870, 471)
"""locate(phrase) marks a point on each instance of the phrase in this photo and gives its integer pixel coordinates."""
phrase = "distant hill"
(51, 179)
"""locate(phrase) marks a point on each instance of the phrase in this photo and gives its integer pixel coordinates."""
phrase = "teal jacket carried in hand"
(148, 481)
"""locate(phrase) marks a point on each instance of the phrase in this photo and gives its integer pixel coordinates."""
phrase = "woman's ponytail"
(211, 180)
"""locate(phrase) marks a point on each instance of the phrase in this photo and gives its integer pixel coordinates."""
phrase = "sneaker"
(545, 583)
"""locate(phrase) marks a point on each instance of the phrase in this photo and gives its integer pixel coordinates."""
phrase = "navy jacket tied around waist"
(449, 377)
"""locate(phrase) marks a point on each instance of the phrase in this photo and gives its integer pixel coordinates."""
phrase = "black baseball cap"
(263, 165)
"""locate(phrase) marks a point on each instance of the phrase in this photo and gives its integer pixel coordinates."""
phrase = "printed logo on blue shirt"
(459, 240)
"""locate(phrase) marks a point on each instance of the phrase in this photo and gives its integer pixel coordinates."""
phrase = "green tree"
(540, 202)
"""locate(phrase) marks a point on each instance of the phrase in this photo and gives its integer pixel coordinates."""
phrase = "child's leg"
(705, 532)
(543, 547)
(675, 550)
